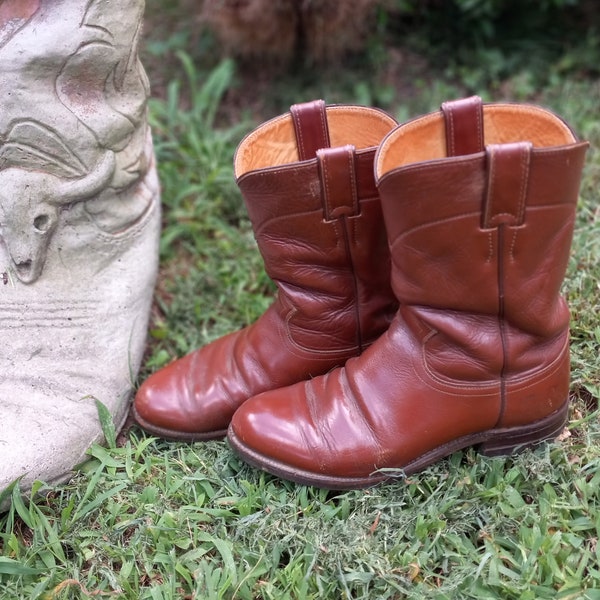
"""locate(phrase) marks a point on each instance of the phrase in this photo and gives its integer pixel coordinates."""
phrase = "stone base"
(76, 336)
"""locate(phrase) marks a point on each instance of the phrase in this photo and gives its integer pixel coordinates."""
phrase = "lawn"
(146, 519)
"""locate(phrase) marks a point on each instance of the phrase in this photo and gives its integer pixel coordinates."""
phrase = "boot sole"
(174, 435)
(493, 442)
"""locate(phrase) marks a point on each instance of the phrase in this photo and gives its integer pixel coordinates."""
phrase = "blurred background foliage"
(375, 51)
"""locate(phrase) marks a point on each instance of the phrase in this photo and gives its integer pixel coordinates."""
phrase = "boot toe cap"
(265, 431)
(173, 403)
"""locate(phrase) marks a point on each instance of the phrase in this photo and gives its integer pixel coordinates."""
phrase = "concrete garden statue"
(79, 226)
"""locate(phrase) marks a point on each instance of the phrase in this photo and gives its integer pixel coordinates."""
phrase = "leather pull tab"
(338, 182)
(310, 125)
(464, 126)
(507, 180)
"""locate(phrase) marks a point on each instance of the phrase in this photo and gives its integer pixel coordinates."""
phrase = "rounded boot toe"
(265, 432)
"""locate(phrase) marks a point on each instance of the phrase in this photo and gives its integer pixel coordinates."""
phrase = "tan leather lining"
(425, 139)
(274, 143)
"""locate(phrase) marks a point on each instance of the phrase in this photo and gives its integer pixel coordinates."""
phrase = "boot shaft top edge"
(301, 188)
(275, 142)
(425, 138)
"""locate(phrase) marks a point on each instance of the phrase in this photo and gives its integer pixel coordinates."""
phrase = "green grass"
(157, 520)
(149, 520)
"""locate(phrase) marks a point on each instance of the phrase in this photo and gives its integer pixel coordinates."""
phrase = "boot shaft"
(480, 241)
(308, 184)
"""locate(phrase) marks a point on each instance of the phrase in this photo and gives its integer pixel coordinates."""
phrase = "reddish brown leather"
(319, 228)
(338, 182)
(310, 125)
(508, 172)
(478, 353)
(464, 126)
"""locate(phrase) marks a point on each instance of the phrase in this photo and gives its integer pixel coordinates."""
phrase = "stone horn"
(89, 185)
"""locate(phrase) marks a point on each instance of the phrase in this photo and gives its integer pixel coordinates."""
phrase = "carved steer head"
(30, 203)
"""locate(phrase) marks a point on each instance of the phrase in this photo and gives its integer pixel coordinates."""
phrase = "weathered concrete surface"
(79, 227)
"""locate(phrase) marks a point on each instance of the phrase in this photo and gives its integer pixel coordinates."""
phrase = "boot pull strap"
(464, 126)
(310, 125)
(337, 171)
(507, 180)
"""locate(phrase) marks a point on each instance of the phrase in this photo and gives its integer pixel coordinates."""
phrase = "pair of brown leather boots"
(418, 312)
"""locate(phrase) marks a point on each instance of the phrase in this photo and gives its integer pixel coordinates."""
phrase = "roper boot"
(479, 207)
(308, 182)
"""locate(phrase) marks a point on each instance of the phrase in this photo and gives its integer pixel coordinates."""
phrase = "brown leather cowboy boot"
(479, 206)
(308, 183)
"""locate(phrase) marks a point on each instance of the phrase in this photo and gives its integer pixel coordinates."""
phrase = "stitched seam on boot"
(357, 314)
(526, 381)
(341, 235)
(491, 248)
(433, 164)
(522, 382)
(433, 223)
(502, 324)
(450, 113)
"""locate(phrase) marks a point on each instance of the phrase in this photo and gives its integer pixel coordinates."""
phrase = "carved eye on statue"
(42, 223)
